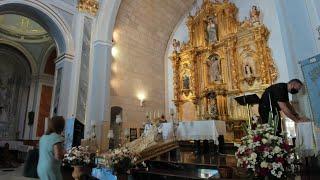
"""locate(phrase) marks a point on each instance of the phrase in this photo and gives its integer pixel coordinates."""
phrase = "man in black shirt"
(278, 95)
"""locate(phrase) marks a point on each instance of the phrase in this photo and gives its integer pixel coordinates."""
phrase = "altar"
(194, 130)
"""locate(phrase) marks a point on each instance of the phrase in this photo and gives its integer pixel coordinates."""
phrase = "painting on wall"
(84, 69)
(311, 72)
(57, 92)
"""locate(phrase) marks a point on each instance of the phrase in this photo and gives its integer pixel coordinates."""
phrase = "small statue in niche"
(211, 31)
(214, 68)
(176, 45)
(186, 82)
(255, 15)
(249, 68)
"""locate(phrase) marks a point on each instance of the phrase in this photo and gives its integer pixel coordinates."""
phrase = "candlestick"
(171, 111)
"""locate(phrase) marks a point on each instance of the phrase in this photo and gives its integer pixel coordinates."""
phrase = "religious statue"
(176, 45)
(211, 31)
(255, 15)
(186, 82)
(246, 23)
(249, 68)
(214, 69)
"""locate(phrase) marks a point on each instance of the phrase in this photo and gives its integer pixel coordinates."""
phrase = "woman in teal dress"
(51, 150)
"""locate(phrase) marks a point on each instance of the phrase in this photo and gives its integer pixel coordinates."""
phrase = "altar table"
(195, 130)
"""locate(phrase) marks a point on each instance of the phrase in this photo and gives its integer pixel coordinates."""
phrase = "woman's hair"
(55, 125)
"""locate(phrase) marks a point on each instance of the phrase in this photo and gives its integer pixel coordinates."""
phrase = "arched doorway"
(41, 85)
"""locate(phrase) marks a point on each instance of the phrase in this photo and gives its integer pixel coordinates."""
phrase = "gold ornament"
(88, 6)
(239, 53)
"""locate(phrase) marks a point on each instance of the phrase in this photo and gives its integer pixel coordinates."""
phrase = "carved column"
(231, 49)
(190, 29)
(176, 81)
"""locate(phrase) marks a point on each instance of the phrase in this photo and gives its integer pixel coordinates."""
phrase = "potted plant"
(265, 154)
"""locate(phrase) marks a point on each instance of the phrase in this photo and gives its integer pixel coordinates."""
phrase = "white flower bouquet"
(120, 160)
(77, 156)
(263, 153)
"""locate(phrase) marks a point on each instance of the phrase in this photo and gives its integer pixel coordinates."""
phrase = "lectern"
(248, 100)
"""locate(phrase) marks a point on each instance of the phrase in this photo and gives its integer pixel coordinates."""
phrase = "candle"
(171, 111)
(158, 114)
(202, 112)
(154, 114)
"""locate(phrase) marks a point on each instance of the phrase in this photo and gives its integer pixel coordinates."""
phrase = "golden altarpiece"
(223, 59)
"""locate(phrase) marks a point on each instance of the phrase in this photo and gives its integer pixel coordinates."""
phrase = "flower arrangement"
(77, 156)
(265, 154)
(120, 160)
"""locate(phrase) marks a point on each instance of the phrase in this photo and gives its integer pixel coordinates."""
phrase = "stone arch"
(107, 19)
(46, 17)
(24, 51)
(45, 59)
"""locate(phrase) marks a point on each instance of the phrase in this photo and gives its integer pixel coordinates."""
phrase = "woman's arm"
(58, 151)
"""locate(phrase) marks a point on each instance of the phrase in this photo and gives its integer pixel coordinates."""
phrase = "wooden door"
(44, 108)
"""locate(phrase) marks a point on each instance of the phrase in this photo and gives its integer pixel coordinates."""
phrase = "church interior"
(159, 89)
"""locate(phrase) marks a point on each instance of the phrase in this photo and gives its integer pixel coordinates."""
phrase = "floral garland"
(263, 153)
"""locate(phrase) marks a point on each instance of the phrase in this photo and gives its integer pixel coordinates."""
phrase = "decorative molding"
(104, 43)
(88, 6)
(64, 56)
(68, 16)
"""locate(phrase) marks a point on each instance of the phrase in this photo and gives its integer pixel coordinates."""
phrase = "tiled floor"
(13, 175)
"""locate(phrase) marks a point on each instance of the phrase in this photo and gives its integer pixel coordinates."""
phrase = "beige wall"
(141, 34)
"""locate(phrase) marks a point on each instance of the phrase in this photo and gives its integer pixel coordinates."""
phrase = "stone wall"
(141, 34)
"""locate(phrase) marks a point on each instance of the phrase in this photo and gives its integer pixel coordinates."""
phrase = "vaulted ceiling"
(142, 31)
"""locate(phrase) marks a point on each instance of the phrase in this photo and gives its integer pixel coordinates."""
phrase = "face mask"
(294, 91)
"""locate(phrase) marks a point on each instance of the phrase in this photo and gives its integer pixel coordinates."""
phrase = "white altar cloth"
(195, 130)
(306, 139)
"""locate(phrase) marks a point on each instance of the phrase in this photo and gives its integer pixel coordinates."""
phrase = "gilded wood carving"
(223, 58)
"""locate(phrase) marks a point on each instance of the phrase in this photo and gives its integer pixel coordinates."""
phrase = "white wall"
(180, 33)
